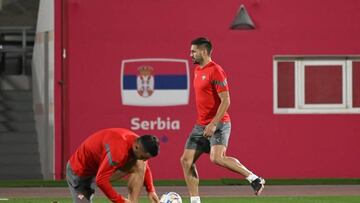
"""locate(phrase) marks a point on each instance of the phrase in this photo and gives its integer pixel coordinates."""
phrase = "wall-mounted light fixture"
(242, 20)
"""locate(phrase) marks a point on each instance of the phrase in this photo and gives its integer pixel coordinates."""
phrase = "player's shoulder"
(216, 69)
(215, 66)
(117, 137)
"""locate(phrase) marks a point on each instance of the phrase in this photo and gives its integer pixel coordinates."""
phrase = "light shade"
(242, 20)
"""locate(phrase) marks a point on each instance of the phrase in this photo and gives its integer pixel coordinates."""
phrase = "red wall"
(99, 35)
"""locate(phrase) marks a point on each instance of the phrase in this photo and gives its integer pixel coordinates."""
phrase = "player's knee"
(218, 160)
(185, 161)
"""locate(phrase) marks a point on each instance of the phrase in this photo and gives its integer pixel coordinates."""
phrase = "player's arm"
(149, 184)
(223, 107)
(107, 168)
(103, 182)
(148, 180)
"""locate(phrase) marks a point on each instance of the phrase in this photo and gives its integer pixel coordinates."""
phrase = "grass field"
(62, 183)
(332, 199)
(353, 198)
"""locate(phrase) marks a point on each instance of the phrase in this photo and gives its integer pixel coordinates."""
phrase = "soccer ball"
(170, 197)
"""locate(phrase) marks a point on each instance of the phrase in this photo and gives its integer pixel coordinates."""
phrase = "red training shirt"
(208, 82)
(104, 152)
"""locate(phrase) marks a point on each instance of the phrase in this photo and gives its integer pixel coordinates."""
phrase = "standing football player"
(212, 129)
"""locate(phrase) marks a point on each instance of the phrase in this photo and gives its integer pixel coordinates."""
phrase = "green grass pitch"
(322, 199)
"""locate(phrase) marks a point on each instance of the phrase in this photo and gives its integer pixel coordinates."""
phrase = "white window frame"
(301, 83)
(299, 79)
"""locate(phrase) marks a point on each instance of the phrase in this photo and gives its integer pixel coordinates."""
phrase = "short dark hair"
(150, 144)
(204, 42)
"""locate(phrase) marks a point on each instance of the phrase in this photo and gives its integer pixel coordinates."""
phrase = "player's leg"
(81, 189)
(219, 142)
(218, 156)
(136, 181)
(136, 175)
(194, 147)
(191, 175)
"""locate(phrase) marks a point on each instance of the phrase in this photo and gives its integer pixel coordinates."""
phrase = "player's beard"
(196, 61)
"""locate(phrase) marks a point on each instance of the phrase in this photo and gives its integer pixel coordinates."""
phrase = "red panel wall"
(99, 35)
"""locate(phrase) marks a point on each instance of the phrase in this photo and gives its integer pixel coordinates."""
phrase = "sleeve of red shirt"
(148, 181)
(106, 170)
(218, 79)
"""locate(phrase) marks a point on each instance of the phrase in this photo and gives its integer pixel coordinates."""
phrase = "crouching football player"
(111, 154)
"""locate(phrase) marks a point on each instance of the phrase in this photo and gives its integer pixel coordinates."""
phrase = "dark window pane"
(356, 83)
(323, 84)
(286, 84)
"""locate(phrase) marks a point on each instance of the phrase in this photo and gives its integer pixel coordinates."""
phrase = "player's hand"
(153, 197)
(209, 130)
(127, 200)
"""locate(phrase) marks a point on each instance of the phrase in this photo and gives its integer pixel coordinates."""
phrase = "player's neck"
(205, 62)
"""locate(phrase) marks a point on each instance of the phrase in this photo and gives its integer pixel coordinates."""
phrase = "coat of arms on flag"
(155, 82)
(145, 81)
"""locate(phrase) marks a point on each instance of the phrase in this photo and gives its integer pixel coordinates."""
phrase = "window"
(316, 84)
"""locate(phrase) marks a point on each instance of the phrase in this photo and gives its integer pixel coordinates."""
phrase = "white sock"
(195, 199)
(251, 177)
